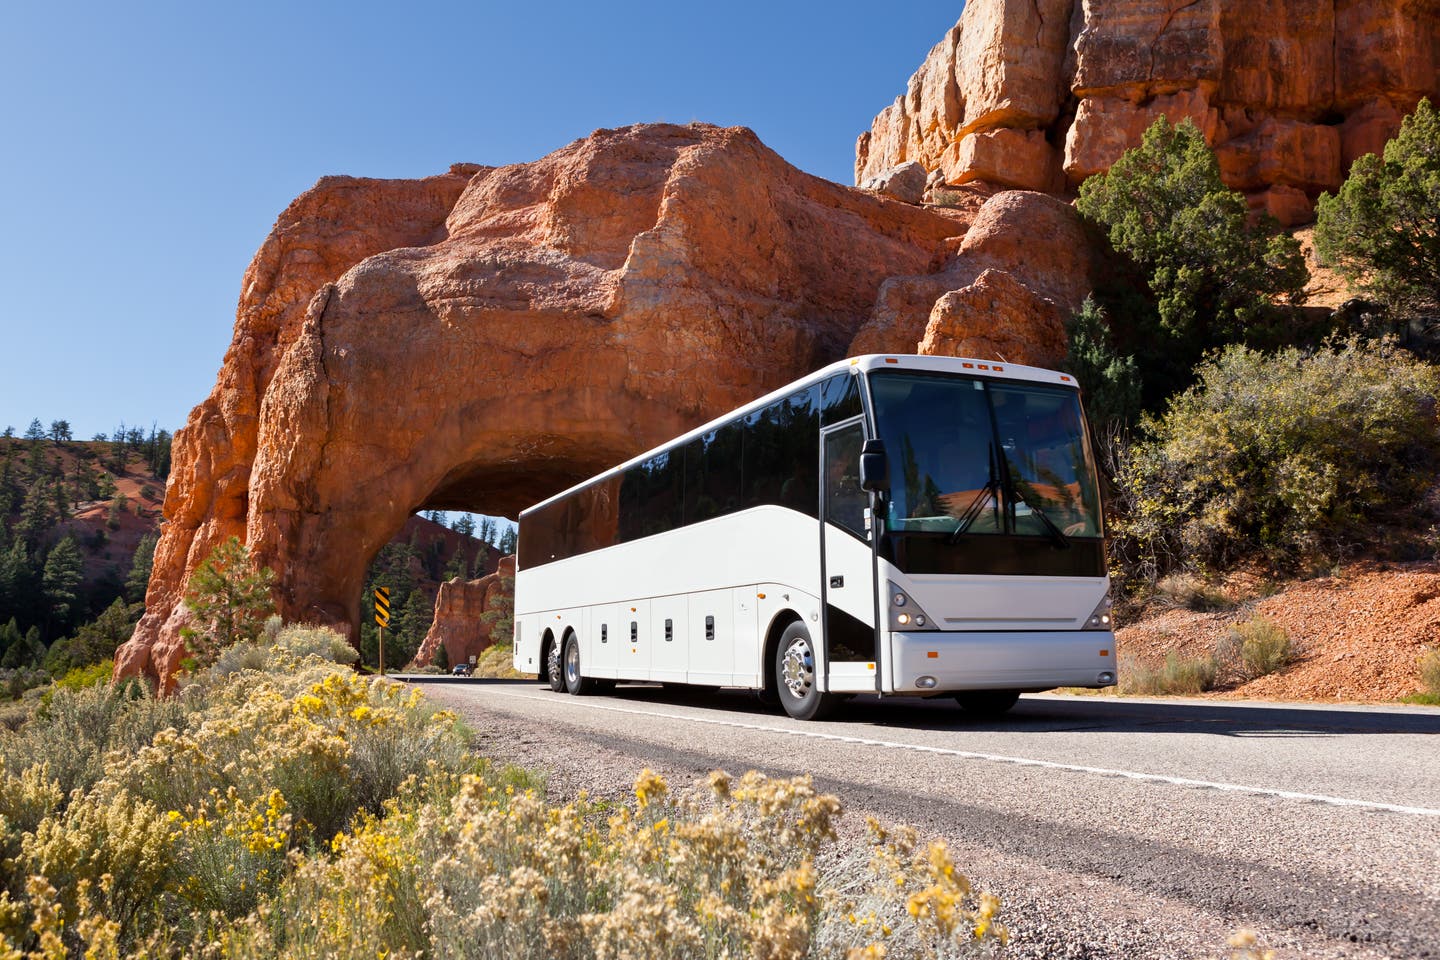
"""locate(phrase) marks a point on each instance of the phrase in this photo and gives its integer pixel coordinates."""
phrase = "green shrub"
(1286, 457)
(91, 676)
(1263, 647)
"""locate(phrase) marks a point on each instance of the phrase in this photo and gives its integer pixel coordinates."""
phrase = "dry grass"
(1178, 676)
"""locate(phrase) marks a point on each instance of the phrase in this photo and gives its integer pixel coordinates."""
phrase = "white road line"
(1000, 758)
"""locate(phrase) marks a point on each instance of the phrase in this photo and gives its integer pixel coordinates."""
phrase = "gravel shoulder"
(1099, 844)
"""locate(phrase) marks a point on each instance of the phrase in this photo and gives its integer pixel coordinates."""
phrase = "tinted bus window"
(712, 473)
(782, 454)
(840, 399)
(650, 496)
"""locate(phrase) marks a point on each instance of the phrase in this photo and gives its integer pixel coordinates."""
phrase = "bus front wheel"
(576, 683)
(795, 676)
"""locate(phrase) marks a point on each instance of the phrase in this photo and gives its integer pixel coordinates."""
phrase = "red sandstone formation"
(482, 339)
(1040, 94)
(457, 625)
(1023, 269)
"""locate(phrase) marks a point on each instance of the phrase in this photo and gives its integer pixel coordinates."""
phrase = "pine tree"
(36, 431)
(465, 526)
(36, 518)
(501, 615)
(9, 636)
(507, 542)
(17, 577)
(458, 567)
(229, 599)
(96, 641)
(1382, 230)
(63, 572)
(140, 566)
(1212, 277)
(411, 626)
(60, 431)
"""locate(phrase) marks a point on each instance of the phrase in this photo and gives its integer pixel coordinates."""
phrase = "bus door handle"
(837, 582)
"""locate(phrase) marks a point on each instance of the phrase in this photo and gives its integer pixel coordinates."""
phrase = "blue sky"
(146, 148)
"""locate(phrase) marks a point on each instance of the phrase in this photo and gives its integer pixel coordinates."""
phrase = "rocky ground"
(1358, 633)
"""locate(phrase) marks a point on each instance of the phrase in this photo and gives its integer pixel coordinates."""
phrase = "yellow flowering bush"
(283, 805)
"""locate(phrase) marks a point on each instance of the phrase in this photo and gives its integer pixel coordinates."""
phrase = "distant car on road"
(461, 670)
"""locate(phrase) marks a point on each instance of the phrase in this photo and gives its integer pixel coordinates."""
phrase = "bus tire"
(795, 677)
(987, 703)
(576, 683)
(554, 673)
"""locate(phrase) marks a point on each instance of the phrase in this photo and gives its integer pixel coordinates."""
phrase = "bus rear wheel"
(987, 703)
(795, 677)
(553, 675)
(576, 683)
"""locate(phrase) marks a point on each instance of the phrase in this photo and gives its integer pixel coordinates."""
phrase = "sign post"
(382, 620)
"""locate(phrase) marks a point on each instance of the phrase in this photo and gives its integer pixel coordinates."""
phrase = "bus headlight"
(1100, 618)
(905, 613)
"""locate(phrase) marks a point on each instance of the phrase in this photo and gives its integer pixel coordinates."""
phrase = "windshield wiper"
(977, 506)
(1056, 534)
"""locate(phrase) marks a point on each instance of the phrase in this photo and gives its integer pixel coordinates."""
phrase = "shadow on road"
(1038, 713)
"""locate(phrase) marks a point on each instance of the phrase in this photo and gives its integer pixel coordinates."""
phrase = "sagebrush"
(281, 805)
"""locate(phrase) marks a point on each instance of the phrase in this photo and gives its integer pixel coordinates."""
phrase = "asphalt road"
(1110, 828)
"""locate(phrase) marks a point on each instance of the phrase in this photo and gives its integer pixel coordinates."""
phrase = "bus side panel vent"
(710, 628)
(669, 630)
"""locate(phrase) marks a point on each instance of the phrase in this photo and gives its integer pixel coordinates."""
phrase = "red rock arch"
(480, 339)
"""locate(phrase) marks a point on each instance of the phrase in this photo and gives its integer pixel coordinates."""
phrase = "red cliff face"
(481, 339)
(458, 626)
(1041, 94)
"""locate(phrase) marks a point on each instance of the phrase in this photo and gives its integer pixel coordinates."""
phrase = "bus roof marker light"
(891, 360)
(932, 654)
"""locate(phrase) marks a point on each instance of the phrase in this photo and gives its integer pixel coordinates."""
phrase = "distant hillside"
(78, 525)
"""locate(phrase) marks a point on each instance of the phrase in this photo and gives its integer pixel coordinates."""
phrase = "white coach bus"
(890, 524)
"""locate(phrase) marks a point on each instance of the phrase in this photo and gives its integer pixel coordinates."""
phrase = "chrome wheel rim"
(798, 668)
(553, 661)
(572, 664)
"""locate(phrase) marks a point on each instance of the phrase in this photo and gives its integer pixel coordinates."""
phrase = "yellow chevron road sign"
(382, 606)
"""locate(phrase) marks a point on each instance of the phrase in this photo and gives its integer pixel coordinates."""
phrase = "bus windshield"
(986, 458)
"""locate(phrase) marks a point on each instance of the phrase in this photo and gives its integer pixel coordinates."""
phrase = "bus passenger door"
(847, 569)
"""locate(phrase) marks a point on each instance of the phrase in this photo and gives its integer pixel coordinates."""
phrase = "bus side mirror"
(874, 468)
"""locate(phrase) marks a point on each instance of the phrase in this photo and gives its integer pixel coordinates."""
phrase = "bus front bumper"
(941, 661)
